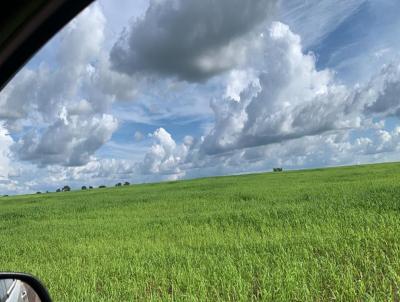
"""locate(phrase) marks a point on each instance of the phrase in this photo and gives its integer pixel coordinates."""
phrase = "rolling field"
(317, 235)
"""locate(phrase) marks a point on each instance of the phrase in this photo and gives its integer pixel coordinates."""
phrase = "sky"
(161, 90)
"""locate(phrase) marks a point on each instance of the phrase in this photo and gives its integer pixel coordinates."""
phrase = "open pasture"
(316, 235)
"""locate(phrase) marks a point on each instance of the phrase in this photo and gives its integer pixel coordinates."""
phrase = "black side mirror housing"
(23, 287)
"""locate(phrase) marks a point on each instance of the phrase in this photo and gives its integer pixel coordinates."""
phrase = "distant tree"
(277, 169)
(84, 188)
(118, 184)
(126, 183)
(5, 195)
(47, 192)
(58, 190)
(38, 192)
(102, 186)
(90, 187)
(66, 189)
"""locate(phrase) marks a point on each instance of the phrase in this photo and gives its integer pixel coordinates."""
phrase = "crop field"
(316, 235)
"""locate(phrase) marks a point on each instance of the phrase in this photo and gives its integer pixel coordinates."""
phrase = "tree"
(84, 188)
(90, 187)
(66, 189)
(38, 192)
(102, 186)
(126, 183)
(58, 190)
(118, 184)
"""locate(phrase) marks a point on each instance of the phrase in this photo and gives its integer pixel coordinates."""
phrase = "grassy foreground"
(317, 235)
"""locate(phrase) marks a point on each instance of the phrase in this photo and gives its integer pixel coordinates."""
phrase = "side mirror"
(19, 287)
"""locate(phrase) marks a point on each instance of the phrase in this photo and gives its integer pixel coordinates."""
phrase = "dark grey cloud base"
(175, 35)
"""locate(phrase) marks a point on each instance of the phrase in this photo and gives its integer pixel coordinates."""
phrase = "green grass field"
(318, 235)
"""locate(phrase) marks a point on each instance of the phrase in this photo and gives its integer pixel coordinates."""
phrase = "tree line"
(68, 188)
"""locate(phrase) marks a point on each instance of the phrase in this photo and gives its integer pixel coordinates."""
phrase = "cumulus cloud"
(382, 94)
(70, 141)
(165, 157)
(283, 97)
(328, 149)
(192, 40)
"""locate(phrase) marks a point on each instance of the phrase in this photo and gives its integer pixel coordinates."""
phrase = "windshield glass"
(148, 91)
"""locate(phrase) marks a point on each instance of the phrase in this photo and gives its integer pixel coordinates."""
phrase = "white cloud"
(69, 141)
(96, 171)
(14, 98)
(238, 81)
(329, 149)
(165, 157)
(5, 154)
(381, 96)
(283, 97)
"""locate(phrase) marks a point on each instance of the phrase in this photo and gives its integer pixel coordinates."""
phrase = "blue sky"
(160, 90)
(367, 31)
